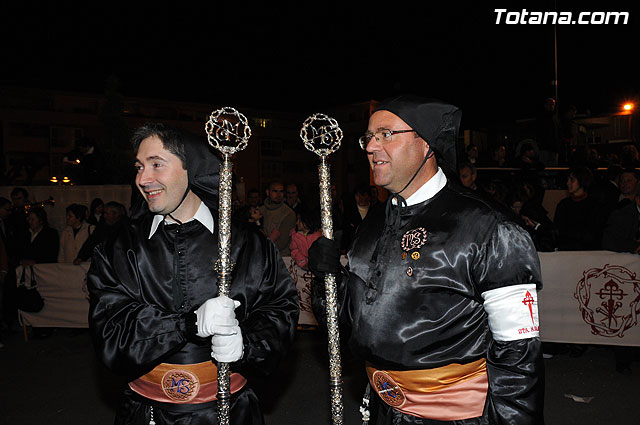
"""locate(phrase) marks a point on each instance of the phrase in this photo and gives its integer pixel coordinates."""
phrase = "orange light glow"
(628, 106)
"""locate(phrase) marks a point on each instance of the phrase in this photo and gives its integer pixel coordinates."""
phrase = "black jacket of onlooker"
(44, 247)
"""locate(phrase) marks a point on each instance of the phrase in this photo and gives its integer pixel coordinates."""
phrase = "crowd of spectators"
(26, 238)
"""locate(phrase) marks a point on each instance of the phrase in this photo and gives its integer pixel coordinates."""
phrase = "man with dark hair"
(628, 187)
(468, 174)
(155, 314)
(279, 218)
(253, 197)
(441, 297)
(293, 197)
(578, 217)
(19, 197)
(472, 154)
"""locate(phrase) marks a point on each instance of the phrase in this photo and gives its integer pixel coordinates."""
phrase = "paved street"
(58, 381)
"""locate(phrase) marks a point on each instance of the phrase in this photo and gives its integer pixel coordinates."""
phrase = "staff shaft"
(335, 367)
(224, 267)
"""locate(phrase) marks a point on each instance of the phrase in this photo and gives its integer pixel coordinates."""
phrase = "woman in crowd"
(95, 212)
(75, 234)
(40, 243)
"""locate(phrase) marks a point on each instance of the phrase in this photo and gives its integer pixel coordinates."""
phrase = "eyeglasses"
(382, 136)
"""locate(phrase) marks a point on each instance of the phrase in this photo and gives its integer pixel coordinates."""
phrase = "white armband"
(513, 312)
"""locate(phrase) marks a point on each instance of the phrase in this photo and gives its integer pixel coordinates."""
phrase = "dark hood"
(435, 121)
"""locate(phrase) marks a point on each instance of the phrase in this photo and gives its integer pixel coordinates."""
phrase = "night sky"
(280, 55)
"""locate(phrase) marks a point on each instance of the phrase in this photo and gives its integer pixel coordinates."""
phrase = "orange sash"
(447, 393)
(183, 383)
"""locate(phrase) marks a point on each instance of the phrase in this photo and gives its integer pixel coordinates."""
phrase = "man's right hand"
(324, 257)
(217, 317)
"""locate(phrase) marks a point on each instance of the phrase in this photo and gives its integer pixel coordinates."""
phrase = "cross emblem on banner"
(611, 291)
(528, 301)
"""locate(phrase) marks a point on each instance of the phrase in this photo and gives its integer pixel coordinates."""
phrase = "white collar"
(429, 189)
(203, 215)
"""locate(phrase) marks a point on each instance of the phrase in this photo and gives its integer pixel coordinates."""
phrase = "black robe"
(407, 313)
(138, 321)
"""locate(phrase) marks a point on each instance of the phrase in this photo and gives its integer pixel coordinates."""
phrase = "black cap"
(435, 121)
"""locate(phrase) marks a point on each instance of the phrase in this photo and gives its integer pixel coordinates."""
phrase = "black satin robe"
(137, 319)
(433, 315)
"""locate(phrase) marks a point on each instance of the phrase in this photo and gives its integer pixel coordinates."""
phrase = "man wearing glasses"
(441, 286)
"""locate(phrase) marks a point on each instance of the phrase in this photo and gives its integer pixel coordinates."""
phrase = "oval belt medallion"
(388, 390)
(180, 385)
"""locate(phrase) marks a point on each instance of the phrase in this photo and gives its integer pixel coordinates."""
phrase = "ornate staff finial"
(228, 130)
(321, 134)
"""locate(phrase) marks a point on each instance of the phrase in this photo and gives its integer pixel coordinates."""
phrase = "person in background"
(74, 234)
(499, 157)
(307, 232)
(250, 215)
(95, 212)
(527, 160)
(355, 210)
(628, 187)
(18, 219)
(471, 154)
(115, 216)
(279, 218)
(292, 197)
(253, 197)
(39, 244)
(468, 174)
(578, 217)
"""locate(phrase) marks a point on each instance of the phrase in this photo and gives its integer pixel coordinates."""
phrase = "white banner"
(590, 297)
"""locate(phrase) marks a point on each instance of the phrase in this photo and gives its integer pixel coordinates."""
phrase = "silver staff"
(228, 132)
(322, 135)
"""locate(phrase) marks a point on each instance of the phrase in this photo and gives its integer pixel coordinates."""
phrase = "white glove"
(217, 317)
(227, 348)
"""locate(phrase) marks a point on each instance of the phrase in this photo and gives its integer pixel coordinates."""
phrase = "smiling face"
(161, 177)
(394, 163)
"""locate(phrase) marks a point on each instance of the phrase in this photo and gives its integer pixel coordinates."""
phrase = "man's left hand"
(227, 348)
